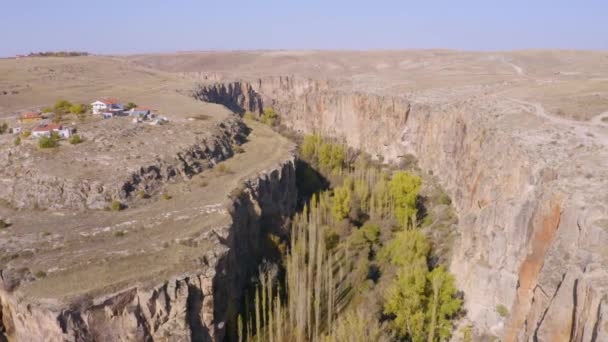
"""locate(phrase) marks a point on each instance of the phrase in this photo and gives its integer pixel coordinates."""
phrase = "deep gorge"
(512, 220)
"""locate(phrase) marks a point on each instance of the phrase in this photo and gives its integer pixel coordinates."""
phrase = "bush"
(3, 224)
(47, 110)
(3, 128)
(269, 117)
(166, 196)
(26, 134)
(62, 106)
(119, 233)
(223, 169)
(17, 141)
(130, 106)
(46, 142)
(142, 194)
(75, 139)
(78, 109)
(502, 310)
(116, 206)
(249, 116)
(40, 274)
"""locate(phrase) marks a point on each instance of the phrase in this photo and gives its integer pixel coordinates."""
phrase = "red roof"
(110, 101)
(31, 115)
(46, 128)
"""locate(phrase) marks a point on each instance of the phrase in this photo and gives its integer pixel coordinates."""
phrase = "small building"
(160, 120)
(142, 112)
(46, 130)
(16, 130)
(107, 106)
(31, 117)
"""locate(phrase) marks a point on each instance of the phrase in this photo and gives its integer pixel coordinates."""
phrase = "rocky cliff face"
(194, 306)
(532, 227)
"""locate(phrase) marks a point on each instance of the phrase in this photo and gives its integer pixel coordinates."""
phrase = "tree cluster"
(354, 249)
(57, 54)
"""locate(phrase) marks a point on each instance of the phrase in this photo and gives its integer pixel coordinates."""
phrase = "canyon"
(516, 139)
(526, 186)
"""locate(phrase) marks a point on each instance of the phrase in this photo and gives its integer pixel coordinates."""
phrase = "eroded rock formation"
(197, 305)
(533, 228)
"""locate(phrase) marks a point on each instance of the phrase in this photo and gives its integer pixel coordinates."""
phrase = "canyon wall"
(529, 241)
(195, 306)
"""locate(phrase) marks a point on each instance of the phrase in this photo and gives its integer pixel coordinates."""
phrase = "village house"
(31, 117)
(46, 130)
(142, 112)
(107, 106)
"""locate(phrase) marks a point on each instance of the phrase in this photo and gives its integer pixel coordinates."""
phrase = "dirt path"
(594, 130)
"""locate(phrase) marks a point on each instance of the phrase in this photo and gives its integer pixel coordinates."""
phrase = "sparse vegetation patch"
(116, 206)
(502, 310)
(75, 139)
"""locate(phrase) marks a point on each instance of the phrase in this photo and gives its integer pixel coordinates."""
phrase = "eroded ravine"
(526, 223)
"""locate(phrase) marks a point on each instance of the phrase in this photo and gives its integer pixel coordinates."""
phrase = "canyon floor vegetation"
(357, 266)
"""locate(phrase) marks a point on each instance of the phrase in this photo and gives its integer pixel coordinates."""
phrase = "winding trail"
(593, 129)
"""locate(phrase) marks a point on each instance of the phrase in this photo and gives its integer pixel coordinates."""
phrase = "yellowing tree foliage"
(404, 188)
(421, 302)
(341, 203)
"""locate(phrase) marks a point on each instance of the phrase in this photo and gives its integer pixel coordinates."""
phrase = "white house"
(46, 130)
(107, 105)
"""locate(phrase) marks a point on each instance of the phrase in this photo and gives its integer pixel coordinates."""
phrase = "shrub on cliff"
(502, 310)
(269, 117)
(3, 128)
(17, 141)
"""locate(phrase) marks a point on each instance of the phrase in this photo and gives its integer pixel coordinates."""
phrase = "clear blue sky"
(131, 26)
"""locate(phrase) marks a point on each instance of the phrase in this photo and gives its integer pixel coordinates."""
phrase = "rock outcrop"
(533, 227)
(198, 305)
